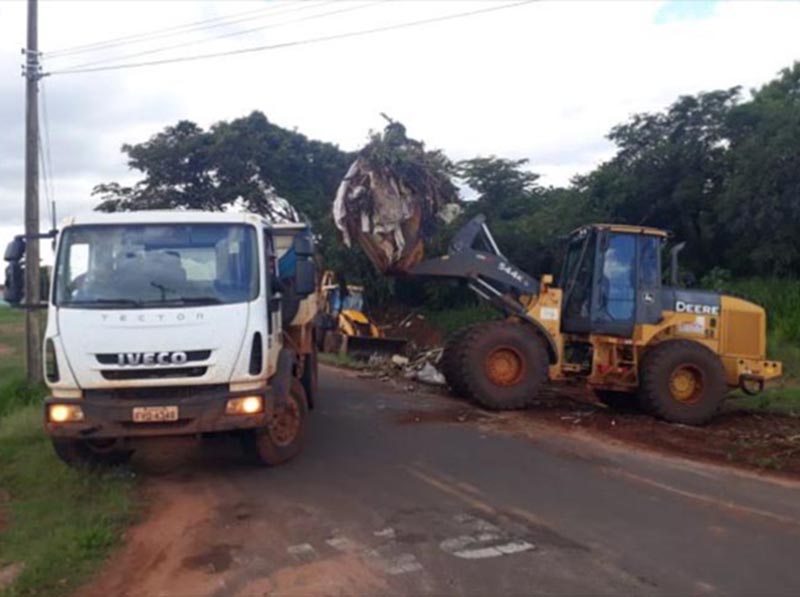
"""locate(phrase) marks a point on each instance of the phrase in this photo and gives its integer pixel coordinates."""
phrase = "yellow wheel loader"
(609, 323)
(345, 328)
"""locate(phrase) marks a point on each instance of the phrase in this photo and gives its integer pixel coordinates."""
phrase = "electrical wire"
(175, 30)
(46, 159)
(232, 34)
(289, 44)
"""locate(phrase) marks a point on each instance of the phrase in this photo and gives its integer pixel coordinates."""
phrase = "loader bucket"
(361, 347)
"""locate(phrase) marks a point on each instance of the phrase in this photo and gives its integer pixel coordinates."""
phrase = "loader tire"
(451, 355)
(503, 365)
(682, 382)
(282, 439)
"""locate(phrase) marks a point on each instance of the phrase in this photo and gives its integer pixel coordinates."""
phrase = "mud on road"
(761, 442)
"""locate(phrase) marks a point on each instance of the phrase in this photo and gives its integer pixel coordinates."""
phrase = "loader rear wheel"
(682, 382)
(451, 356)
(502, 365)
(282, 439)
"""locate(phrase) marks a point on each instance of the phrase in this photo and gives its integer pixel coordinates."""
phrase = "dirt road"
(410, 493)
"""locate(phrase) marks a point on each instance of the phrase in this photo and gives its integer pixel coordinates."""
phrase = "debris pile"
(391, 198)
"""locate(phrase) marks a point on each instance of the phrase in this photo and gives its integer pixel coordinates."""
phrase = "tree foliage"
(719, 169)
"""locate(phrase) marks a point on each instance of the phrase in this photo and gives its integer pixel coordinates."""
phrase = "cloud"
(544, 81)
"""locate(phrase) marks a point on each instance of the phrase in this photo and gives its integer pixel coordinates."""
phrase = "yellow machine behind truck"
(344, 327)
(609, 323)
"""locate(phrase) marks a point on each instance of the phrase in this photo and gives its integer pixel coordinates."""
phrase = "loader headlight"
(247, 405)
(64, 413)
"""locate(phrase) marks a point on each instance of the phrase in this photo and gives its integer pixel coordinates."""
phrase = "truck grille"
(159, 392)
(191, 357)
(162, 373)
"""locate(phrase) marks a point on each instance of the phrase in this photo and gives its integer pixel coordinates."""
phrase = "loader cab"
(611, 279)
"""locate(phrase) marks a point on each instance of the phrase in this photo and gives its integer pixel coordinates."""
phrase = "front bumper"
(108, 416)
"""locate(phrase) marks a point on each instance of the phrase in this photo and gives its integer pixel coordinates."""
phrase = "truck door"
(273, 290)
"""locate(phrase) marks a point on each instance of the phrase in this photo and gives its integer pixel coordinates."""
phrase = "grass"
(341, 360)
(454, 319)
(60, 523)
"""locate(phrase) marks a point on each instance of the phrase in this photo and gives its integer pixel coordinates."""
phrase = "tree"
(760, 204)
(669, 172)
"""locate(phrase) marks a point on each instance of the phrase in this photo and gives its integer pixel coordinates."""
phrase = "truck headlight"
(64, 413)
(247, 405)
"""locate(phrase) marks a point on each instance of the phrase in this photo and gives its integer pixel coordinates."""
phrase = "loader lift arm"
(487, 273)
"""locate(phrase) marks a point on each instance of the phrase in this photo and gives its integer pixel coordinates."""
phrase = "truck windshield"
(156, 265)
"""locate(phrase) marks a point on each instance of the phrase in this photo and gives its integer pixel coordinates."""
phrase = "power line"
(47, 164)
(136, 38)
(232, 34)
(308, 41)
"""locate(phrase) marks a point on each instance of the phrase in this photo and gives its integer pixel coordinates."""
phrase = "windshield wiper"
(189, 300)
(103, 302)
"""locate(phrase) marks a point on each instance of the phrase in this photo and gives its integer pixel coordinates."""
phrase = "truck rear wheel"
(451, 356)
(682, 382)
(91, 453)
(503, 365)
(282, 439)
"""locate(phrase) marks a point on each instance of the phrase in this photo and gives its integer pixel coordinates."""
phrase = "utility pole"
(33, 334)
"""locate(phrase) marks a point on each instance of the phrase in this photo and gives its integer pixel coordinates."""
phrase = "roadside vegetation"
(57, 524)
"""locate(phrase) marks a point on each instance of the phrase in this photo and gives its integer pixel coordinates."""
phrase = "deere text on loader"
(609, 323)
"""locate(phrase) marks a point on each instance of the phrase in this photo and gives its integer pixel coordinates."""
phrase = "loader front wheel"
(451, 356)
(682, 382)
(502, 365)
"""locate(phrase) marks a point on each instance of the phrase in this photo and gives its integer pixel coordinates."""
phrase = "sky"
(544, 81)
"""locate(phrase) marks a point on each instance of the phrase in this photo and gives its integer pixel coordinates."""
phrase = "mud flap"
(281, 382)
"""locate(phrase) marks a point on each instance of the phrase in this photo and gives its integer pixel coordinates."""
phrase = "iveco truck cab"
(176, 323)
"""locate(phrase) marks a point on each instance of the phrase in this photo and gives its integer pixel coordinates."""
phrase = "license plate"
(155, 414)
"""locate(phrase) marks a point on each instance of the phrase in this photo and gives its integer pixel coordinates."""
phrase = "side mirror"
(15, 283)
(305, 278)
(15, 250)
(303, 245)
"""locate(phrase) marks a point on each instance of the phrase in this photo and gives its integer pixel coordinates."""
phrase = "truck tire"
(618, 401)
(310, 377)
(90, 454)
(503, 364)
(282, 439)
(451, 356)
(682, 382)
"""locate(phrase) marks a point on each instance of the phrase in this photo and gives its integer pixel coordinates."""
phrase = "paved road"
(388, 498)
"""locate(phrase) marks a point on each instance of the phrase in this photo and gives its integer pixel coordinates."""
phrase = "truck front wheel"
(282, 439)
(91, 453)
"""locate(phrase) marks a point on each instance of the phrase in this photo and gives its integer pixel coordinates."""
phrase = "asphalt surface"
(402, 492)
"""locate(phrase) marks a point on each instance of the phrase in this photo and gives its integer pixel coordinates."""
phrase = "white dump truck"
(176, 323)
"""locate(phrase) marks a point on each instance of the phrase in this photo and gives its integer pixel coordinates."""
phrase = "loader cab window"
(576, 281)
(617, 292)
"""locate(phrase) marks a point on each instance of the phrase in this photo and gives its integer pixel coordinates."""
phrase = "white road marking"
(502, 545)
(387, 533)
(394, 565)
(304, 551)
(343, 544)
